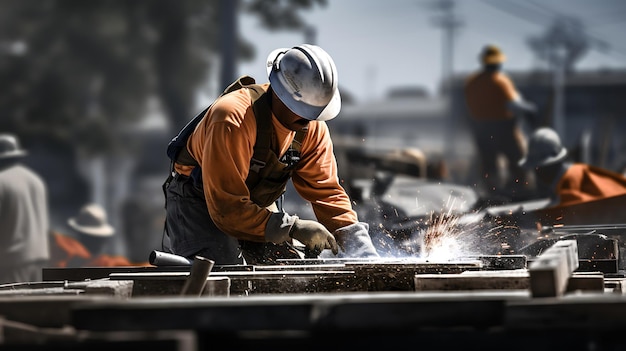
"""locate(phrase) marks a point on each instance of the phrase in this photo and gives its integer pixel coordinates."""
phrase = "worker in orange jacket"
(222, 205)
(568, 183)
(87, 247)
(496, 109)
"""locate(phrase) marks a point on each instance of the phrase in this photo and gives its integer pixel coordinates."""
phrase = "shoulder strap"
(296, 144)
(177, 148)
(238, 84)
(262, 111)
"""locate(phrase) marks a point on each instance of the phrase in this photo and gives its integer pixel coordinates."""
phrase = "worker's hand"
(355, 241)
(313, 235)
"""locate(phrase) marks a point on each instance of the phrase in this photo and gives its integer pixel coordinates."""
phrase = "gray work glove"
(313, 235)
(354, 241)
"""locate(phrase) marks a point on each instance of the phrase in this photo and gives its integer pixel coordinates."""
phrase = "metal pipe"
(574, 227)
(159, 258)
(196, 281)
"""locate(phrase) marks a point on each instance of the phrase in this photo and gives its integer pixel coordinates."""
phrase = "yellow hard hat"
(491, 55)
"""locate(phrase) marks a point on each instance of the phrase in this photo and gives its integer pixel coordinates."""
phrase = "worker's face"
(286, 117)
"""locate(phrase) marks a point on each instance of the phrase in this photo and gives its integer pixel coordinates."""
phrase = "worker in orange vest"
(87, 247)
(568, 183)
(224, 189)
(496, 109)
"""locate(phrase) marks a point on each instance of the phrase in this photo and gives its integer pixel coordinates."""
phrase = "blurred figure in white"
(24, 217)
(87, 244)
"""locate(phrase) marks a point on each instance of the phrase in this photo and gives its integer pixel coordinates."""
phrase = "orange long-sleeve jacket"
(487, 95)
(582, 183)
(223, 144)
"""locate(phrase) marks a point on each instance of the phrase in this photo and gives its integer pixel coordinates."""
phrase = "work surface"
(442, 319)
(476, 303)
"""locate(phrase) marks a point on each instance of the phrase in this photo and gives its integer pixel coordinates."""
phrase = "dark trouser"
(494, 138)
(192, 231)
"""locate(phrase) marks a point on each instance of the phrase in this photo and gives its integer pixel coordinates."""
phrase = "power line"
(519, 11)
(614, 15)
(539, 16)
(449, 22)
(610, 18)
(600, 44)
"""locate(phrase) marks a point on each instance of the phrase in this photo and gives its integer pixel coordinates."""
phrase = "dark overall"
(188, 224)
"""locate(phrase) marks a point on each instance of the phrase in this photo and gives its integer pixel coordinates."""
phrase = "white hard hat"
(91, 220)
(305, 79)
(544, 148)
(10, 147)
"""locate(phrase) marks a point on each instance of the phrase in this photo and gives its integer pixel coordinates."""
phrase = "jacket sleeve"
(583, 182)
(317, 182)
(508, 88)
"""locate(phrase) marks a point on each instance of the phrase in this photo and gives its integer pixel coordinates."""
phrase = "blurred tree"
(77, 72)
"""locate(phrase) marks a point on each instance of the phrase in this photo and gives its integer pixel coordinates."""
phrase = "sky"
(380, 45)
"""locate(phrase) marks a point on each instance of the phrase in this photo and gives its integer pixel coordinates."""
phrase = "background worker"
(225, 206)
(87, 246)
(567, 182)
(495, 107)
(24, 216)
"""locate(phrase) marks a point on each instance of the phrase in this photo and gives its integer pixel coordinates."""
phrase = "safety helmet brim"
(493, 59)
(530, 162)
(13, 154)
(302, 109)
(10, 147)
(492, 55)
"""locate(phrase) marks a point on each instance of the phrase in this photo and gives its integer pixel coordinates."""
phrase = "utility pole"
(310, 34)
(449, 22)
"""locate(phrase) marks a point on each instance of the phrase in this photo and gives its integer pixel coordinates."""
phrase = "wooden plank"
(599, 312)
(588, 282)
(497, 280)
(255, 282)
(33, 337)
(401, 276)
(501, 280)
(571, 252)
(91, 273)
(502, 262)
(300, 312)
(615, 285)
(170, 283)
(51, 311)
(84, 273)
(594, 265)
(550, 272)
(302, 267)
(119, 288)
(548, 275)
